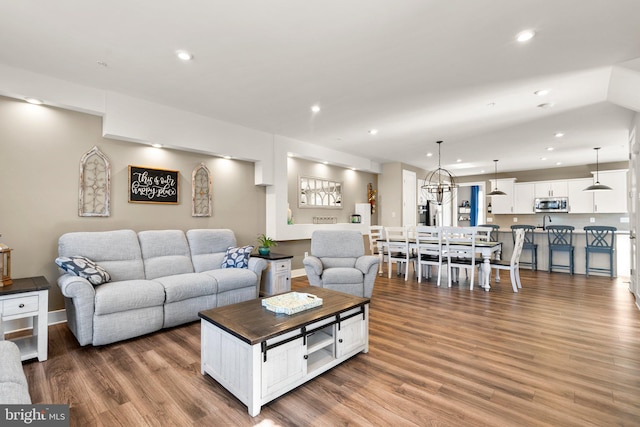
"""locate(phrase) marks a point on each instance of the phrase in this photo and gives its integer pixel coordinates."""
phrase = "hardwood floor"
(564, 351)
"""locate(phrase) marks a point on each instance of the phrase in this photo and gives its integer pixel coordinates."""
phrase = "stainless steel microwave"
(552, 204)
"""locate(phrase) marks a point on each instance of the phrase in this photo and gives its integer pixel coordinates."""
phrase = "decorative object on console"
(597, 186)
(265, 243)
(440, 184)
(201, 198)
(371, 197)
(95, 184)
(5, 265)
(83, 267)
(496, 191)
(237, 257)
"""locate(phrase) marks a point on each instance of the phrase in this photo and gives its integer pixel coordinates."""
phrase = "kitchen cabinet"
(580, 201)
(614, 201)
(524, 196)
(502, 204)
(551, 189)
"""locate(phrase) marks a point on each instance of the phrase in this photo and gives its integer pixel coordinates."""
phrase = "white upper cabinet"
(524, 196)
(551, 189)
(580, 201)
(614, 201)
(503, 204)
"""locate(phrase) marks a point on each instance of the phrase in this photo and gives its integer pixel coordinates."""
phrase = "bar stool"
(529, 243)
(600, 239)
(560, 240)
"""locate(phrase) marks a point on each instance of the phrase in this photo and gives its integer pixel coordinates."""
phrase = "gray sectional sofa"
(158, 279)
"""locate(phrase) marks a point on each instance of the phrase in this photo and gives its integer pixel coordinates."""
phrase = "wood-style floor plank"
(564, 351)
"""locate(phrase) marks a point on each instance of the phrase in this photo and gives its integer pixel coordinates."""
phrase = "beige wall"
(40, 151)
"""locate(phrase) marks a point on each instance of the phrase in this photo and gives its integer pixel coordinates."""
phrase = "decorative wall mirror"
(319, 193)
(95, 184)
(201, 191)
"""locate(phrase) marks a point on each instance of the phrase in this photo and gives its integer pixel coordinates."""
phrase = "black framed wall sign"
(149, 185)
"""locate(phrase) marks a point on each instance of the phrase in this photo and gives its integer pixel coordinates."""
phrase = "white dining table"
(487, 250)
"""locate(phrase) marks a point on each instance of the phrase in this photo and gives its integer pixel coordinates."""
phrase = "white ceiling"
(417, 70)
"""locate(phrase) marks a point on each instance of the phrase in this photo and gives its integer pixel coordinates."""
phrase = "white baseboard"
(298, 273)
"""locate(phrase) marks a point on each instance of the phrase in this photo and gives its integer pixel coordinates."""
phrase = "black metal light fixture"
(440, 184)
(496, 191)
(597, 186)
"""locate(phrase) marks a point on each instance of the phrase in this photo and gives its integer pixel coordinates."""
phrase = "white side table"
(276, 278)
(24, 298)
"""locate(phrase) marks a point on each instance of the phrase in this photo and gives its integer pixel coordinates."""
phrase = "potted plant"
(265, 243)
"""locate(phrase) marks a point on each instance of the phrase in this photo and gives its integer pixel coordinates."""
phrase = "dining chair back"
(529, 243)
(429, 250)
(513, 265)
(600, 239)
(561, 240)
(376, 233)
(493, 233)
(398, 250)
(461, 250)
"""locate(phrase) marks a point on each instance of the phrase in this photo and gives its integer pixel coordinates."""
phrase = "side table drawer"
(283, 265)
(19, 305)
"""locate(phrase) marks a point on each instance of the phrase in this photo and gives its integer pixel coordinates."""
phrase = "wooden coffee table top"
(252, 323)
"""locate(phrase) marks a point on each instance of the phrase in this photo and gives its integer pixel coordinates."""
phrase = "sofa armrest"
(79, 303)
(364, 263)
(257, 265)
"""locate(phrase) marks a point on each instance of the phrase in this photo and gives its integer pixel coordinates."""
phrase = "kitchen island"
(621, 257)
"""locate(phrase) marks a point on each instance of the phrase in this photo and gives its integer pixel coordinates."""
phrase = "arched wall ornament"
(201, 191)
(95, 184)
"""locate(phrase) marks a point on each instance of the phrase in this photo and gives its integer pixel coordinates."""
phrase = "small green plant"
(266, 242)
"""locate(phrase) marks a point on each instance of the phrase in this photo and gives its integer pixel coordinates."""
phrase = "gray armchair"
(338, 262)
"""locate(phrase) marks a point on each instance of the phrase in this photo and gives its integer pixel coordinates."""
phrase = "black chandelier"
(440, 184)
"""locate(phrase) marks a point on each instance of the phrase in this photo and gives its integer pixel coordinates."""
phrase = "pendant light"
(440, 184)
(497, 192)
(597, 186)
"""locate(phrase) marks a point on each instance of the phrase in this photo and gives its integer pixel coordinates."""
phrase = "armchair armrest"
(364, 263)
(314, 263)
(80, 306)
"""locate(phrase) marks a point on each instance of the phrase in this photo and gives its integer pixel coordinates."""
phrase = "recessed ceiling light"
(34, 101)
(525, 36)
(184, 55)
(353, 169)
(429, 154)
(325, 163)
(156, 145)
(373, 131)
(226, 157)
(545, 105)
(315, 108)
(558, 163)
(458, 160)
(543, 158)
(482, 171)
(541, 92)
(559, 134)
(549, 148)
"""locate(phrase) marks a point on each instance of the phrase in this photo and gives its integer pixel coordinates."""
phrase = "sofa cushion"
(341, 275)
(114, 297)
(84, 267)
(208, 247)
(237, 257)
(184, 286)
(233, 278)
(165, 253)
(116, 251)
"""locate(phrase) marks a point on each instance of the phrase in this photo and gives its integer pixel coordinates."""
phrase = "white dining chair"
(376, 233)
(429, 250)
(513, 265)
(398, 250)
(461, 251)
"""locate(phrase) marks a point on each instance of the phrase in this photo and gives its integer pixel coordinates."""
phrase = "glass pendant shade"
(440, 184)
(597, 186)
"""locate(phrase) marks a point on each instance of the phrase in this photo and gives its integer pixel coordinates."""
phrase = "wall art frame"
(153, 185)
(201, 194)
(321, 193)
(94, 192)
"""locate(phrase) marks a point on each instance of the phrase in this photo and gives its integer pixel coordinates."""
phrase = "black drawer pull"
(21, 306)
